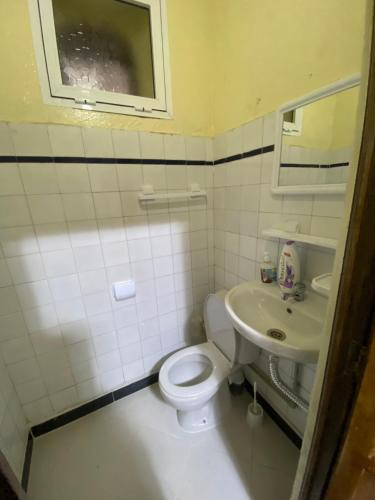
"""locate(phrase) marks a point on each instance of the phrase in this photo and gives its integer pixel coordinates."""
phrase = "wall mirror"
(314, 140)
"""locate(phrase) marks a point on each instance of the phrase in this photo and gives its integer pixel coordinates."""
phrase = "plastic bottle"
(289, 268)
(267, 269)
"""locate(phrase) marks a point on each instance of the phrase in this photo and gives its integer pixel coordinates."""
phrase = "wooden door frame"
(354, 316)
(354, 474)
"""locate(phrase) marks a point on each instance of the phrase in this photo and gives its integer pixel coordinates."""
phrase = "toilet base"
(209, 415)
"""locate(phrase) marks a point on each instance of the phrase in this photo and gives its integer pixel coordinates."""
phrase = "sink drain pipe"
(273, 365)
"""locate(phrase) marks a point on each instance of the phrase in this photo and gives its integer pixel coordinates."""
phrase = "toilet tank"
(220, 331)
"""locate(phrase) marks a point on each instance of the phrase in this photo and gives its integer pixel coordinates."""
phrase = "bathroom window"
(105, 55)
(292, 124)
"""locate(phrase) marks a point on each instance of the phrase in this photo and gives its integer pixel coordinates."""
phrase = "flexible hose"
(273, 363)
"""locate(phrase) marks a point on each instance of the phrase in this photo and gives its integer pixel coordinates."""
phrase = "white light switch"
(123, 290)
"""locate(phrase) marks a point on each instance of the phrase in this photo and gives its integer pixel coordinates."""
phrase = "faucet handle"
(299, 294)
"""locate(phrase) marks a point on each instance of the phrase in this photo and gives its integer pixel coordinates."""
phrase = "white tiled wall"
(67, 231)
(243, 207)
(13, 426)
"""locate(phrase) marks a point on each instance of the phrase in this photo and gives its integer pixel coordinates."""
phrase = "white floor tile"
(134, 449)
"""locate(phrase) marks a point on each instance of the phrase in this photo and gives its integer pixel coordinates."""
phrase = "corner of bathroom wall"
(13, 426)
(244, 206)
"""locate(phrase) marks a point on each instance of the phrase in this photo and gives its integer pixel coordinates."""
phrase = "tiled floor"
(134, 449)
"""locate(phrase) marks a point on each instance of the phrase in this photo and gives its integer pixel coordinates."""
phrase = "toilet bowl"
(194, 380)
(189, 380)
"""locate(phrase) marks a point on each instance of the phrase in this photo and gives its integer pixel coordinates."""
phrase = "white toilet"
(194, 380)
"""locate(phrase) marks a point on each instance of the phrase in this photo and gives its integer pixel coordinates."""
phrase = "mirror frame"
(328, 90)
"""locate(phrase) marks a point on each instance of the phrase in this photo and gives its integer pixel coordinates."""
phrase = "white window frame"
(294, 128)
(54, 92)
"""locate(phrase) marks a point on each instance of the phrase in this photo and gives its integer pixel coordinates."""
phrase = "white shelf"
(322, 284)
(148, 194)
(318, 241)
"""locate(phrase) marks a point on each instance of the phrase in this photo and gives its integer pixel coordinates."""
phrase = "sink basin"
(288, 329)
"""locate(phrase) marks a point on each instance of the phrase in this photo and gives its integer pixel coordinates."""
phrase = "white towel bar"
(148, 194)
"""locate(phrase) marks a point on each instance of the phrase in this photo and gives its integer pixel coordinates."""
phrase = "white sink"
(256, 309)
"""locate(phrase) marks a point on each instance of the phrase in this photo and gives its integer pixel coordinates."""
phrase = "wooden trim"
(354, 314)
(354, 475)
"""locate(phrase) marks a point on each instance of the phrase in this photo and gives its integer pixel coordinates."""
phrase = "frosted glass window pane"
(105, 45)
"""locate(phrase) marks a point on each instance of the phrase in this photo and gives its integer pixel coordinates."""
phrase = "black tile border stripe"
(279, 421)
(229, 159)
(159, 161)
(35, 159)
(102, 161)
(314, 165)
(247, 154)
(132, 161)
(27, 461)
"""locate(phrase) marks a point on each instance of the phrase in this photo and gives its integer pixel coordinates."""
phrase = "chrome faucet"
(298, 295)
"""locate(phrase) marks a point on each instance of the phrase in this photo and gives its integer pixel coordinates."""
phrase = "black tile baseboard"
(75, 414)
(91, 406)
(279, 421)
(27, 461)
(71, 415)
(135, 386)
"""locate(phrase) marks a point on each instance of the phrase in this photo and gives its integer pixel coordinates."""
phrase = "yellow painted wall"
(231, 61)
(317, 125)
(270, 52)
(345, 119)
(189, 28)
(328, 123)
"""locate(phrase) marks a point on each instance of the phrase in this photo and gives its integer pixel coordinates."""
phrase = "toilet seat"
(219, 369)
(193, 380)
